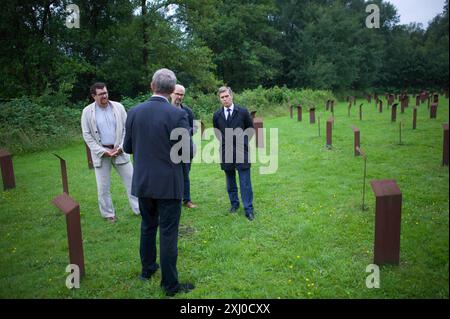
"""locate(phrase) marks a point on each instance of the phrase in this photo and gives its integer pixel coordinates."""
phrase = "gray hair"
(164, 81)
(224, 89)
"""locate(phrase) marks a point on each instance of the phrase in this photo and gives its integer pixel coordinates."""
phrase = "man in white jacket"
(103, 126)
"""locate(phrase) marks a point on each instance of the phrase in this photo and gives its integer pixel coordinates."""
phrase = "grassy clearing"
(310, 238)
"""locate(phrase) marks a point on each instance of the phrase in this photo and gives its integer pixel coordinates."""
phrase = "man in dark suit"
(234, 149)
(158, 179)
(177, 100)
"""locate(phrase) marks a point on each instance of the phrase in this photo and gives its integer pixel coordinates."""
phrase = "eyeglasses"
(102, 94)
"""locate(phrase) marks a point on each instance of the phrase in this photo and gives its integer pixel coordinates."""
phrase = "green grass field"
(310, 238)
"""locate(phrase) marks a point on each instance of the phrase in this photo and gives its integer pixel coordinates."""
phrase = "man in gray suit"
(103, 126)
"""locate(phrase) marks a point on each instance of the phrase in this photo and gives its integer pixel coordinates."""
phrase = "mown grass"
(310, 238)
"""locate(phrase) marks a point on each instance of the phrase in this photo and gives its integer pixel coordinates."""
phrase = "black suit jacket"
(147, 136)
(190, 116)
(239, 119)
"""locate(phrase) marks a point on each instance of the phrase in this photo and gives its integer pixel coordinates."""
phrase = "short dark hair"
(97, 85)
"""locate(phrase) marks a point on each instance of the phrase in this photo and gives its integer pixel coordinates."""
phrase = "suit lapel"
(235, 112)
(222, 115)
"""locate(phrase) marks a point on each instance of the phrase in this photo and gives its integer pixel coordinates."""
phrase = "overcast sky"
(422, 11)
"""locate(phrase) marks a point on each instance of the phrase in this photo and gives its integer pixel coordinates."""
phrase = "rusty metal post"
(89, 157)
(258, 126)
(415, 118)
(65, 182)
(394, 113)
(359, 150)
(7, 168)
(400, 132)
(433, 111)
(71, 209)
(299, 113)
(330, 132)
(436, 98)
(312, 116)
(357, 139)
(388, 209)
(202, 130)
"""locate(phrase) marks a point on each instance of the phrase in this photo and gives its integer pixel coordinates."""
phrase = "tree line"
(317, 44)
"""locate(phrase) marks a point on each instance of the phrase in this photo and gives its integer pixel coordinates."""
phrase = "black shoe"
(147, 275)
(181, 288)
(233, 210)
(250, 216)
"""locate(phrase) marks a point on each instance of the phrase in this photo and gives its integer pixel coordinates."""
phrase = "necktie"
(228, 116)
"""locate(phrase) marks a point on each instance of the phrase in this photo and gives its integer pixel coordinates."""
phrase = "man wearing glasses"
(177, 100)
(103, 126)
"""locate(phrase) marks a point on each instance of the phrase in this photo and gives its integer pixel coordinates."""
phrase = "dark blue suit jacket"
(239, 119)
(148, 128)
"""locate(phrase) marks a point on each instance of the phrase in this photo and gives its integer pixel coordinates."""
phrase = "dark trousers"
(246, 189)
(187, 183)
(165, 213)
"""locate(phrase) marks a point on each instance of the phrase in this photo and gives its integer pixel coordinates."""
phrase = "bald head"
(178, 95)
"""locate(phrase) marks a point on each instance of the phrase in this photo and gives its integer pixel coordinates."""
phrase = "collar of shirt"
(103, 107)
(163, 97)
(230, 108)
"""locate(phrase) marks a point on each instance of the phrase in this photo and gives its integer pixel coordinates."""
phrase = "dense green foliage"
(320, 44)
(32, 124)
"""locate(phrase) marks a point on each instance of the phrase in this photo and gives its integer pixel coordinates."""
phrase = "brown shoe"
(190, 205)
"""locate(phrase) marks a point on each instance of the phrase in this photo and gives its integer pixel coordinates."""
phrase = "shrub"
(32, 124)
(29, 126)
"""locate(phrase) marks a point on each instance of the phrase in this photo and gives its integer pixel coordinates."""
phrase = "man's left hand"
(116, 152)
